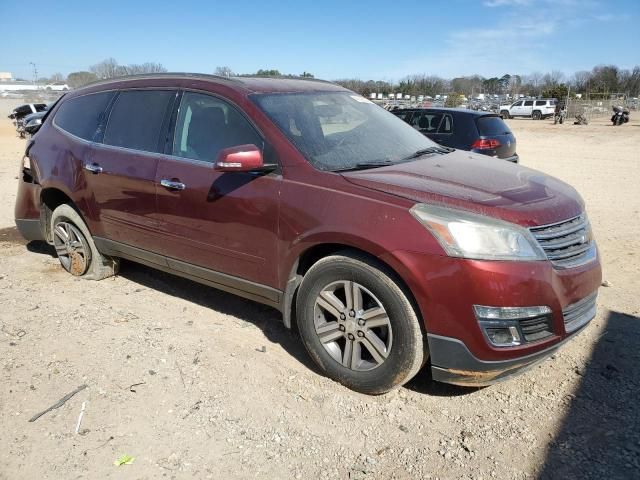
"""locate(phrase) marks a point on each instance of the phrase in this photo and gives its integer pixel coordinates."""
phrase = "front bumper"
(452, 362)
(446, 290)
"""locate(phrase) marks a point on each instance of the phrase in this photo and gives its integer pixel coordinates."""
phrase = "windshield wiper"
(364, 166)
(427, 151)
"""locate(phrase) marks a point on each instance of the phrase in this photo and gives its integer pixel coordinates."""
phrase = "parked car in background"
(18, 113)
(476, 131)
(534, 108)
(31, 124)
(389, 251)
(57, 87)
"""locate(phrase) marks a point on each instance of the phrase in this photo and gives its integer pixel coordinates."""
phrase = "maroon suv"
(386, 250)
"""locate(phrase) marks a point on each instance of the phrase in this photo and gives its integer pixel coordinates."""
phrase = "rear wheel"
(76, 250)
(537, 115)
(358, 325)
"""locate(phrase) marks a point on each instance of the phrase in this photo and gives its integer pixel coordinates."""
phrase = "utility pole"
(35, 72)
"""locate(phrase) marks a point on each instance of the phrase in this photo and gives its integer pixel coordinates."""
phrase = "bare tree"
(137, 69)
(224, 72)
(78, 79)
(107, 68)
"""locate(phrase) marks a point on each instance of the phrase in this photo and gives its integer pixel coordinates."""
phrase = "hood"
(477, 183)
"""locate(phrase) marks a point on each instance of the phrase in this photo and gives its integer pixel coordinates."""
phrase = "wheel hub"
(352, 325)
(72, 248)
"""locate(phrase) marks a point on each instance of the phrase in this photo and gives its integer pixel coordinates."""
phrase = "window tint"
(83, 116)
(136, 119)
(541, 103)
(517, 104)
(446, 125)
(403, 115)
(207, 125)
(427, 122)
(488, 126)
(528, 103)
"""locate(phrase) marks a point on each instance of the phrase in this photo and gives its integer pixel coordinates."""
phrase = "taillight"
(27, 173)
(485, 144)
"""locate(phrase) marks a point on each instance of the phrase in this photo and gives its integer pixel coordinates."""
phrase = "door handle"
(172, 184)
(93, 168)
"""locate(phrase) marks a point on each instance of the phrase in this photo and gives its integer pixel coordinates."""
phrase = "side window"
(136, 119)
(446, 125)
(403, 115)
(517, 104)
(206, 125)
(541, 103)
(528, 103)
(83, 116)
(427, 122)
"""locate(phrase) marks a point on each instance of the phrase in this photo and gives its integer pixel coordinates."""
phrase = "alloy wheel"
(72, 248)
(353, 325)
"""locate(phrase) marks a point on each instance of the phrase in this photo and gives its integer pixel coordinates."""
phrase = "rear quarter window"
(82, 116)
(489, 126)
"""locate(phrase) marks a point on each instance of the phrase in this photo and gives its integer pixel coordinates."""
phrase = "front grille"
(534, 329)
(567, 244)
(580, 313)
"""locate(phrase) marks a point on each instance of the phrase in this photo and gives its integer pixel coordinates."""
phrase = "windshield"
(338, 131)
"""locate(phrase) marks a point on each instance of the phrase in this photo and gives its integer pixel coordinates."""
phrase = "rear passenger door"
(121, 172)
(217, 226)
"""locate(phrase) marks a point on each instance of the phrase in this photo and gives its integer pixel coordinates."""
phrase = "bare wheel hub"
(72, 248)
(353, 325)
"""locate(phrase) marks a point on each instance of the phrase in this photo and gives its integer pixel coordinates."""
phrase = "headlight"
(469, 235)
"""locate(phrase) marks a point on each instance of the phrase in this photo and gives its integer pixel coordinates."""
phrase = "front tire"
(358, 324)
(75, 247)
(505, 114)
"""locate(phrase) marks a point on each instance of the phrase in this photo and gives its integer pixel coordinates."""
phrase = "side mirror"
(242, 158)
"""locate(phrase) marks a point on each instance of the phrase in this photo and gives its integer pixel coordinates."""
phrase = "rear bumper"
(29, 229)
(452, 362)
(513, 158)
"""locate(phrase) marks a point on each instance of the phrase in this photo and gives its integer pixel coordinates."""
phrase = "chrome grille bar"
(567, 244)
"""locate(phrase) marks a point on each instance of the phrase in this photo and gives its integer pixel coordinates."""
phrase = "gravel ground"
(225, 391)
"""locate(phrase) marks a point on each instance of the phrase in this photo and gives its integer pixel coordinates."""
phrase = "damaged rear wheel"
(75, 248)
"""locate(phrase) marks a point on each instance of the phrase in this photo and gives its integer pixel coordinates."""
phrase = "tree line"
(603, 79)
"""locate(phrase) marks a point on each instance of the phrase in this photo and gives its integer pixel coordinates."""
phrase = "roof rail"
(140, 76)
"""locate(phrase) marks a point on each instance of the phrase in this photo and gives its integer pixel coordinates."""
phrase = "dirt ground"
(225, 391)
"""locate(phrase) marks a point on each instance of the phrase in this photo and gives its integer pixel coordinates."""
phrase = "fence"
(596, 106)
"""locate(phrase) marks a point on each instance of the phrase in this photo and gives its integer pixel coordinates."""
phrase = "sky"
(332, 39)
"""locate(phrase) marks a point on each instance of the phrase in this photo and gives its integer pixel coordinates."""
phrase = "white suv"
(536, 109)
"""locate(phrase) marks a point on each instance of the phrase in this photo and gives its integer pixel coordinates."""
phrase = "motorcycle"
(620, 115)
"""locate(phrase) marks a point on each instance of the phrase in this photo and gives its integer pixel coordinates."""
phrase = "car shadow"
(268, 319)
(600, 434)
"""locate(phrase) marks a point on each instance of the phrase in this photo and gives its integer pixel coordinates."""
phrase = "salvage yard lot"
(225, 391)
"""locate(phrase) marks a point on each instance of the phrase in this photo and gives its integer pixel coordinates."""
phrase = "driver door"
(223, 222)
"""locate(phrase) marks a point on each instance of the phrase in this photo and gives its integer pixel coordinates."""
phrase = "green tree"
(453, 100)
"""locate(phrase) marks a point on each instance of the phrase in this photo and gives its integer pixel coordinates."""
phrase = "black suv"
(479, 132)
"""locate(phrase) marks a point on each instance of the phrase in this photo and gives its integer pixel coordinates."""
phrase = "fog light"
(501, 325)
(503, 337)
